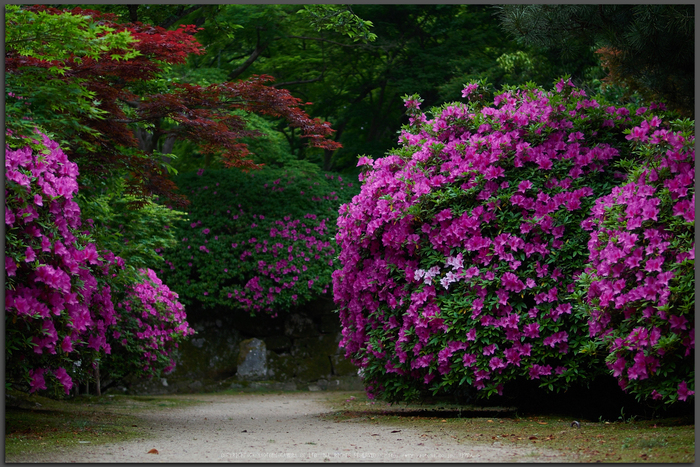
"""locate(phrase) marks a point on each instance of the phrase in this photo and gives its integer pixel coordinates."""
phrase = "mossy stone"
(280, 367)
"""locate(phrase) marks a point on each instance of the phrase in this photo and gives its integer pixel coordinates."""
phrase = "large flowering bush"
(260, 242)
(459, 255)
(59, 290)
(641, 281)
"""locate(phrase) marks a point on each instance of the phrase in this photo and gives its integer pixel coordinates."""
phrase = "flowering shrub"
(59, 289)
(257, 242)
(150, 325)
(641, 280)
(459, 255)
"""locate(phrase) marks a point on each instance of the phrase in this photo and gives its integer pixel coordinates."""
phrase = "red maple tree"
(127, 92)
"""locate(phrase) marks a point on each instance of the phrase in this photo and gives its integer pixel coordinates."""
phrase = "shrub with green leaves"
(640, 285)
(459, 257)
(132, 227)
(260, 242)
(61, 287)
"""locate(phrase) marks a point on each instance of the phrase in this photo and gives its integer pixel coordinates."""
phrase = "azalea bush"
(640, 286)
(151, 323)
(60, 290)
(258, 242)
(460, 255)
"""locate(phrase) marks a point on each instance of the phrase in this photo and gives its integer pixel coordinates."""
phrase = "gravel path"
(283, 428)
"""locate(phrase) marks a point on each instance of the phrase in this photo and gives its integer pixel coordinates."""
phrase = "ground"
(284, 427)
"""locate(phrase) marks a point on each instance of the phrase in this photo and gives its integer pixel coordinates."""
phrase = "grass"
(624, 441)
(60, 424)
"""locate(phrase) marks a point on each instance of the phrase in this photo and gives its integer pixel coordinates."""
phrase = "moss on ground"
(662, 440)
(43, 424)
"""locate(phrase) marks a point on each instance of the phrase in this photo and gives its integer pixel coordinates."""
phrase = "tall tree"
(357, 86)
(650, 48)
(136, 112)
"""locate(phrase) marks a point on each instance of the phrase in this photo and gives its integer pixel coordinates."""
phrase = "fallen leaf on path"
(542, 423)
(153, 451)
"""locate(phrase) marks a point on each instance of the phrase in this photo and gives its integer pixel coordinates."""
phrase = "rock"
(330, 323)
(198, 342)
(299, 325)
(280, 367)
(252, 360)
(349, 383)
(288, 386)
(323, 384)
(195, 385)
(342, 366)
(209, 354)
(314, 388)
(312, 355)
(278, 343)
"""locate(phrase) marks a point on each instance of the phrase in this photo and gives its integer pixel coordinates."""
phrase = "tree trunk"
(97, 379)
(145, 139)
(133, 13)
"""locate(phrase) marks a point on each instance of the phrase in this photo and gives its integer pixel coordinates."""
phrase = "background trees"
(357, 85)
(647, 48)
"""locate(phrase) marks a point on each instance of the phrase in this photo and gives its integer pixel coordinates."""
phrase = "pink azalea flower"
(37, 379)
(684, 392)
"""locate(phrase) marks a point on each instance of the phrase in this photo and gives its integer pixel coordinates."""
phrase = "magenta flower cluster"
(263, 252)
(59, 289)
(152, 323)
(460, 254)
(642, 254)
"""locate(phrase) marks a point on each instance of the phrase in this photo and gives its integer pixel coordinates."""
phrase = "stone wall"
(300, 351)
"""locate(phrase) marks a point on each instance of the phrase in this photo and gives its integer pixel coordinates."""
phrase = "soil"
(287, 427)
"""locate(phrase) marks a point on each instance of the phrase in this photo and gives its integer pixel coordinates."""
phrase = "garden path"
(285, 427)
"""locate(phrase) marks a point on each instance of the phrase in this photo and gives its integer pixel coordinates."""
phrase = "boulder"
(252, 360)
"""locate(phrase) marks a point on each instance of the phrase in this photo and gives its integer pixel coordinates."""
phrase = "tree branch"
(289, 83)
(177, 17)
(320, 39)
(254, 56)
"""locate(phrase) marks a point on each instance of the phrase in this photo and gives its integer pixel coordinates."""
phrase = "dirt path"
(283, 428)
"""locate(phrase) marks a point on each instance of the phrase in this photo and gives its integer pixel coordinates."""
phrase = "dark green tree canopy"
(650, 48)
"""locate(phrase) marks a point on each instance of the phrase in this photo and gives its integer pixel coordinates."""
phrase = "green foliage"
(129, 226)
(649, 48)
(339, 18)
(357, 86)
(258, 241)
(46, 36)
